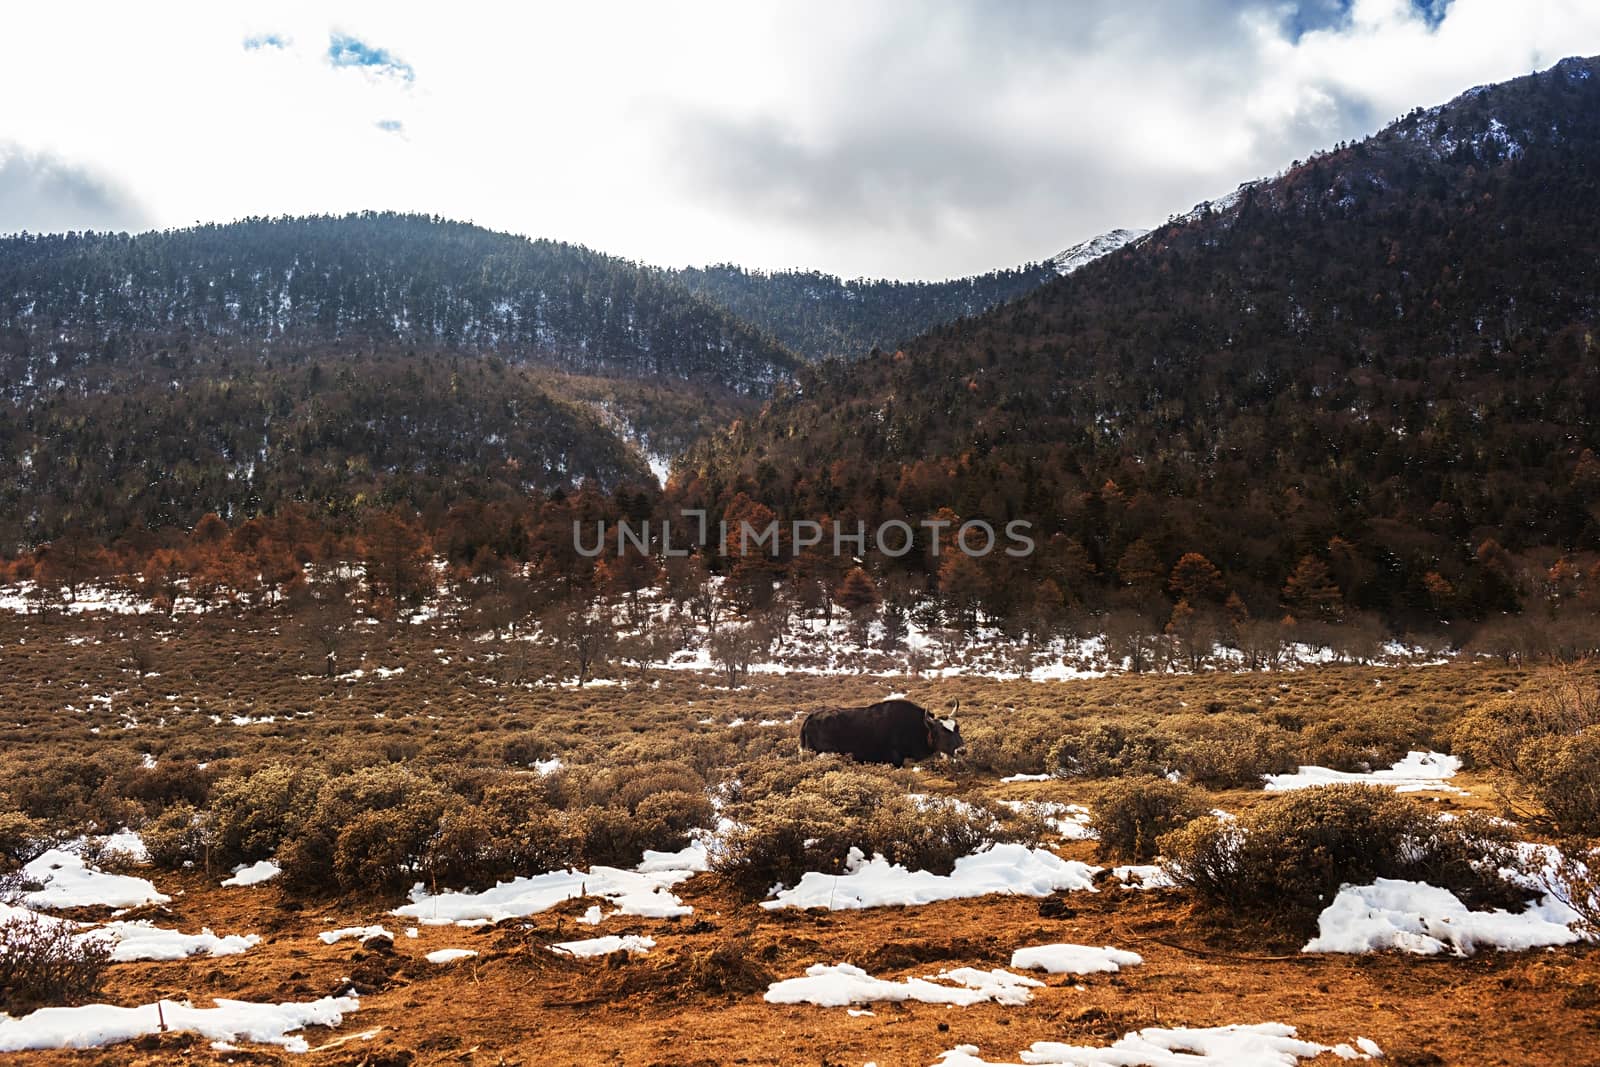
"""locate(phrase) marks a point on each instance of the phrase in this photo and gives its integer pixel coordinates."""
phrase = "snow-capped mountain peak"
(1088, 251)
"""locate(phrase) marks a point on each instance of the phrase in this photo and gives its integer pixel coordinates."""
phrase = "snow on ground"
(1261, 1045)
(1010, 778)
(1425, 920)
(450, 955)
(359, 933)
(695, 858)
(254, 874)
(68, 882)
(1086, 252)
(125, 843)
(140, 940)
(146, 941)
(1418, 772)
(94, 1025)
(1011, 869)
(838, 985)
(1074, 959)
(644, 893)
(1071, 821)
(634, 944)
(1144, 876)
(19, 600)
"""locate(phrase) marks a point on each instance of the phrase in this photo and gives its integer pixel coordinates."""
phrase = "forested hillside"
(1370, 384)
(384, 359)
(379, 279)
(820, 315)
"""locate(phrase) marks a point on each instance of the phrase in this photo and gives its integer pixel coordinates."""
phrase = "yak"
(890, 731)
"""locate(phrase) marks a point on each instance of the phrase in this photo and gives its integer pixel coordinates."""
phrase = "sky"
(915, 139)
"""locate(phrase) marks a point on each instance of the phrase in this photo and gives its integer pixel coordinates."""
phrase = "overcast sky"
(916, 140)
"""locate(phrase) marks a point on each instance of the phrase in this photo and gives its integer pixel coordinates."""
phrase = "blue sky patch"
(1307, 16)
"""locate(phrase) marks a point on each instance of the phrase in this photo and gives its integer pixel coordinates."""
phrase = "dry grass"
(459, 730)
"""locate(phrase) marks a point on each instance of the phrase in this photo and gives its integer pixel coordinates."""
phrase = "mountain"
(1087, 252)
(378, 280)
(820, 315)
(343, 362)
(1379, 365)
(385, 359)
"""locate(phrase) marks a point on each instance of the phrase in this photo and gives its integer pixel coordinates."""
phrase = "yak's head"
(944, 735)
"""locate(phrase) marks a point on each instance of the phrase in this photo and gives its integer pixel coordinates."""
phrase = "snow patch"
(874, 883)
(1426, 920)
(633, 944)
(1074, 959)
(1260, 1045)
(94, 1025)
(362, 934)
(253, 874)
(1418, 772)
(1087, 252)
(643, 893)
(839, 985)
(67, 882)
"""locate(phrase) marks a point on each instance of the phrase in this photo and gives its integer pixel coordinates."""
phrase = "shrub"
(1014, 747)
(933, 834)
(368, 831)
(814, 828)
(677, 812)
(175, 837)
(1358, 741)
(249, 817)
(781, 840)
(1287, 858)
(156, 788)
(1225, 751)
(627, 786)
(1132, 814)
(616, 837)
(1564, 773)
(509, 833)
(775, 776)
(1107, 750)
(526, 747)
(21, 839)
(43, 962)
(1545, 745)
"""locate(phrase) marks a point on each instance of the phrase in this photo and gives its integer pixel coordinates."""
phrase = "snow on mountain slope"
(1092, 249)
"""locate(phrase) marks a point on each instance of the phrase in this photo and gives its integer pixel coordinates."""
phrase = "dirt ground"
(518, 1003)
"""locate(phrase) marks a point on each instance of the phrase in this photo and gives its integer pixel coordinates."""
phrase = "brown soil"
(689, 1003)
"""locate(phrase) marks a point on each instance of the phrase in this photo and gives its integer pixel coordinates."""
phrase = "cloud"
(898, 138)
(43, 194)
(955, 138)
(257, 41)
(347, 51)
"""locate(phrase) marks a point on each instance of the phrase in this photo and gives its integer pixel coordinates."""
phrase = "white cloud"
(897, 138)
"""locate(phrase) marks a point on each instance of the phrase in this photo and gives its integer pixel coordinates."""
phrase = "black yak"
(890, 731)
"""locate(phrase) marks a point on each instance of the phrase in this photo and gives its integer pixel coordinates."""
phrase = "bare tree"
(585, 630)
(735, 646)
